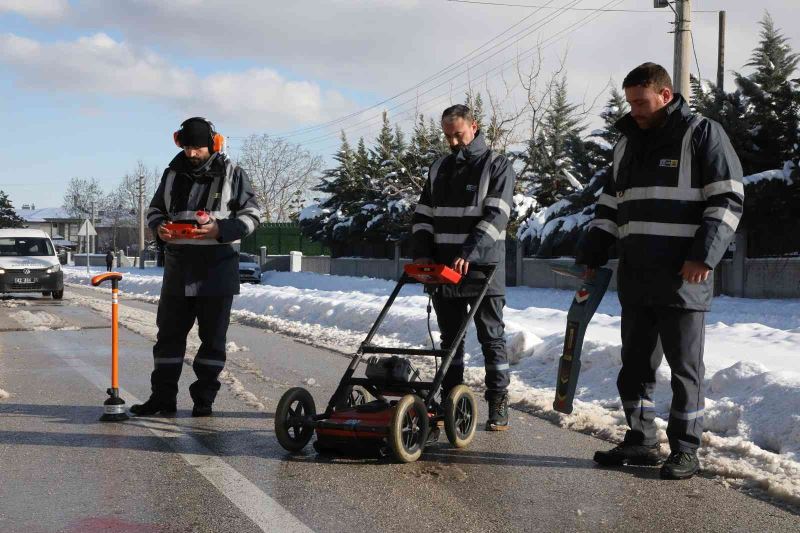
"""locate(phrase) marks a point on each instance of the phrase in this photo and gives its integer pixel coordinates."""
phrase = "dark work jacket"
(676, 194)
(202, 267)
(463, 211)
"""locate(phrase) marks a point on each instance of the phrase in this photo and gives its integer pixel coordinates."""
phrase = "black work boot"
(201, 410)
(629, 454)
(154, 406)
(498, 412)
(680, 465)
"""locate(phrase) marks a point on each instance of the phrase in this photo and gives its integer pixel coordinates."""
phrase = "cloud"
(38, 9)
(99, 65)
(375, 49)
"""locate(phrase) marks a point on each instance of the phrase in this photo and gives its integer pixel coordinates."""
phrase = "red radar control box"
(185, 231)
(432, 273)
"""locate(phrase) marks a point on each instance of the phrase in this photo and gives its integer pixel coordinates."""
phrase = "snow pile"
(313, 211)
(37, 321)
(767, 175)
(752, 359)
(8, 303)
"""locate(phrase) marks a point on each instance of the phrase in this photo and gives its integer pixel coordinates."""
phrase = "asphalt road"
(62, 470)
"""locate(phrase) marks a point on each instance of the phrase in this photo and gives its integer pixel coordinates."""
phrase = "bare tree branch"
(281, 174)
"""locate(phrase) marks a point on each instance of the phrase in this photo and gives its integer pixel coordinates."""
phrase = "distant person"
(674, 202)
(109, 260)
(201, 274)
(460, 220)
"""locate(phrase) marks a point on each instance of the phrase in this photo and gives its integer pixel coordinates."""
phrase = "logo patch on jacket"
(668, 163)
(472, 188)
(582, 295)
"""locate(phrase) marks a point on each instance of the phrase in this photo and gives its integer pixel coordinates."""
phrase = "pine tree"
(733, 113)
(361, 161)
(496, 132)
(475, 103)
(344, 190)
(552, 231)
(436, 137)
(8, 215)
(557, 148)
(601, 141)
(394, 187)
(774, 99)
(423, 150)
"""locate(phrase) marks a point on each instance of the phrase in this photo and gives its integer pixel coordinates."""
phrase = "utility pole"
(93, 239)
(141, 221)
(683, 48)
(721, 52)
(86, 242)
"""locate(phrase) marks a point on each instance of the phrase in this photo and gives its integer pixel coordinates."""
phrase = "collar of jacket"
(212, 168)
(473, 150)
(678, 112)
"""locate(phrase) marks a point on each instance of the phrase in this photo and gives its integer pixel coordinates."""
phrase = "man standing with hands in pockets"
(674, 202)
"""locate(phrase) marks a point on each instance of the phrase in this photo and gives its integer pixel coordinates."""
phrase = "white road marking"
(265, 512)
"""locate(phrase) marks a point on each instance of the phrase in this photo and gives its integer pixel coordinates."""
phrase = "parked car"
(28, 263)
(249, 269)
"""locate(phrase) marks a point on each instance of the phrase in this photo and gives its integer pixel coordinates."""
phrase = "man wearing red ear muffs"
(202, 188)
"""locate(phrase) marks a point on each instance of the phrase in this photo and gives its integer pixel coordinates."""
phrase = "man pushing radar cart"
(389, 409)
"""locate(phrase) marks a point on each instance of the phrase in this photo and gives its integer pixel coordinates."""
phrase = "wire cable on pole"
(372, 120)
(506, 4)
(437, 74)
(696, 62)
(549, 41)
(529, 30)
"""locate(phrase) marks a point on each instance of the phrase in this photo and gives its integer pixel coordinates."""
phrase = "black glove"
(592, 248)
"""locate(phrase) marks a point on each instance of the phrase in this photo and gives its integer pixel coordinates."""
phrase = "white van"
(28, 263)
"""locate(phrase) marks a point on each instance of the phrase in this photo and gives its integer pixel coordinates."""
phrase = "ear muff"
(218, 142)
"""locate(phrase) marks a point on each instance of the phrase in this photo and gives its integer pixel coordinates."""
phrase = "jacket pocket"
(696, 296)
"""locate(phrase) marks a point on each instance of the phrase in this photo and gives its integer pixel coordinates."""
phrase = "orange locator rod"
(114, 278)
(114, 338)
(114, 406)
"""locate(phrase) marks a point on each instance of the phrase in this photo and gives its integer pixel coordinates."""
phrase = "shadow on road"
(89, 414)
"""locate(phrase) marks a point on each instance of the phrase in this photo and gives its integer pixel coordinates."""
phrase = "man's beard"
(651, 122)
(197, 162)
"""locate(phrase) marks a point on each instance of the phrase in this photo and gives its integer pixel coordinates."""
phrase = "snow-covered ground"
(752, 359)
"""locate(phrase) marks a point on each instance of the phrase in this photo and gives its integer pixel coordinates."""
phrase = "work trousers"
(176, 316)
(682, 334)
(450, 314)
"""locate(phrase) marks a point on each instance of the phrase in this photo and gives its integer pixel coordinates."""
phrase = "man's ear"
(666, 94)
(474, 126)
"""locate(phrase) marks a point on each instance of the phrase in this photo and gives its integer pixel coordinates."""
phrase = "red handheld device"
(185, 231)
(432, 273)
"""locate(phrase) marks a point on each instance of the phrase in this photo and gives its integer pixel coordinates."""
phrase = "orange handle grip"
(115, 278)
(100, 278)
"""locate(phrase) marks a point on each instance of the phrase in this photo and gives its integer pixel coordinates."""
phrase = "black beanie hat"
(195, 132)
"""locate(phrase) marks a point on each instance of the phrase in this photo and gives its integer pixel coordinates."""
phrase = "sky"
(90, 87)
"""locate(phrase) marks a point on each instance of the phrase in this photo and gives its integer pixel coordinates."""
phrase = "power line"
(369, 123)
(503, 66)
(437, 74)
(372, 120)
(432, 101)
(696, 62)
(505, 4)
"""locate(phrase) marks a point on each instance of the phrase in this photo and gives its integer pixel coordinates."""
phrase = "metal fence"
(280, 238)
